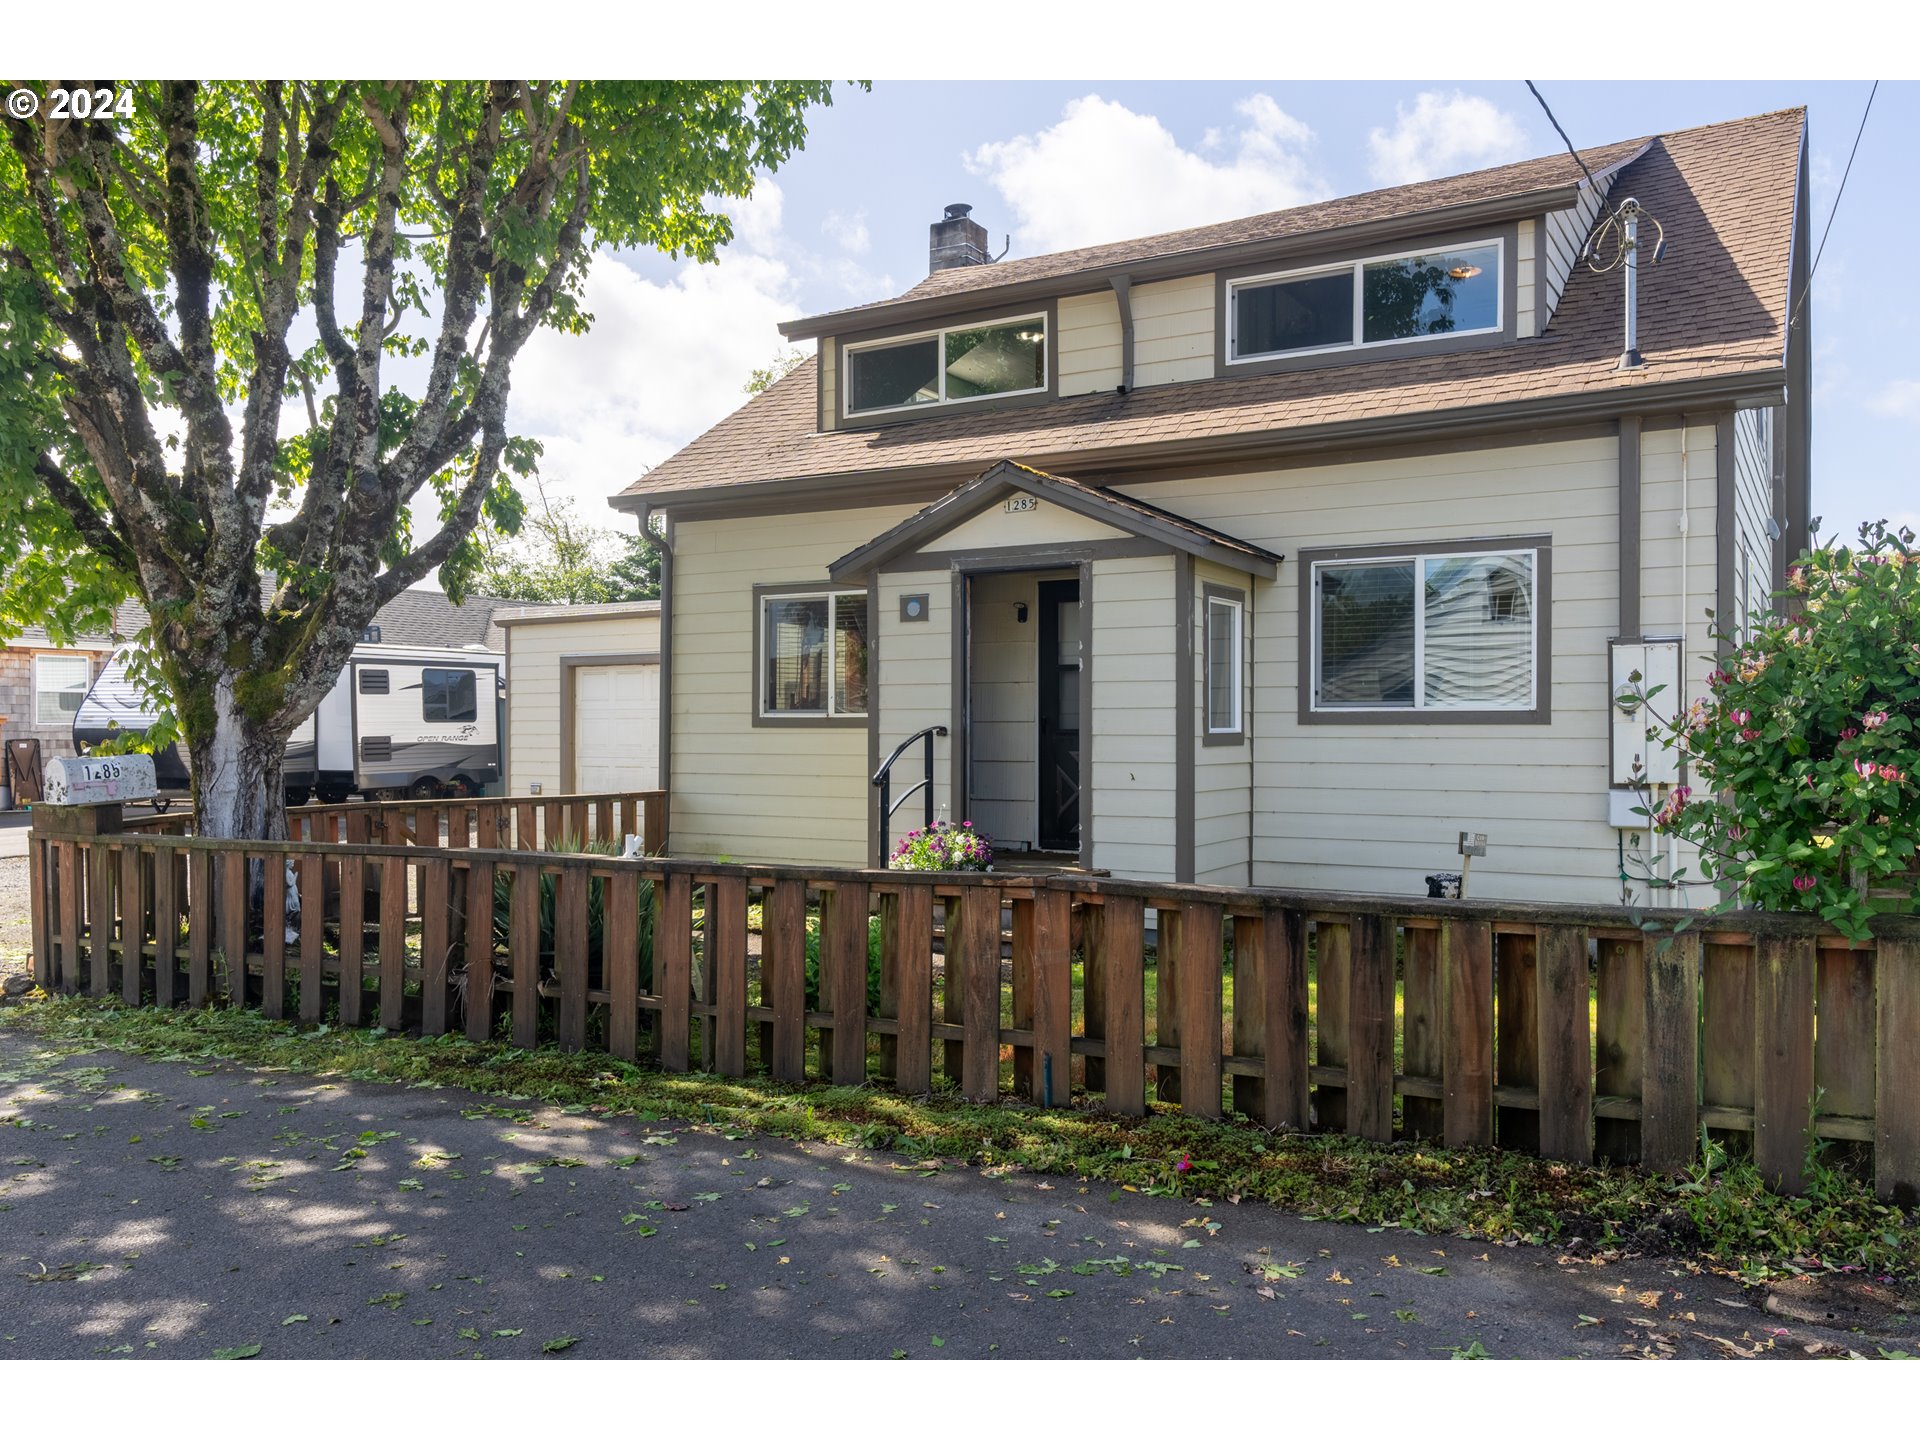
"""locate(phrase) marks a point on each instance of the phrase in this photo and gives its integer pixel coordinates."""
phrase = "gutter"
(1748, 390)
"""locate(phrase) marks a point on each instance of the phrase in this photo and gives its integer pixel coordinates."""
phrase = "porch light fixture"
(1464, 272)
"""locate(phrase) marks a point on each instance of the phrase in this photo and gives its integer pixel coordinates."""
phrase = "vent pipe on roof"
(1624, 225)
(956, 240)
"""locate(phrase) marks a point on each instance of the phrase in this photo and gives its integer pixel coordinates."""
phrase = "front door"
(1060, 715)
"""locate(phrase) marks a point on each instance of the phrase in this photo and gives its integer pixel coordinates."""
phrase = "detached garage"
(583, 698)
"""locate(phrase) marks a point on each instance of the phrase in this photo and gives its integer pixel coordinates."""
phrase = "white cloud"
(1899, 399)
(756, 219)
(1443, 135)
(1105, 173)
(663, 361)
(849, 232)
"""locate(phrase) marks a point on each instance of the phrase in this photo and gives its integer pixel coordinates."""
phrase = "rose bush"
(1804, 755)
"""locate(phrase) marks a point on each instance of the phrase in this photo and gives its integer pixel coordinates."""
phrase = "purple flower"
(1183, 1164)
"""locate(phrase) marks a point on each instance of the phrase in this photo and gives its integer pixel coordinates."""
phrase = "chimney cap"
(958, 212)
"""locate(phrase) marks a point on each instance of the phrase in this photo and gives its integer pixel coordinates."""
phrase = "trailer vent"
(373, 682)
(376, 749)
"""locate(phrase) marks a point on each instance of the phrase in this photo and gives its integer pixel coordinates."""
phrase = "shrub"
(596, 913)
(943, 846)
(873, 964)
(1805, 752)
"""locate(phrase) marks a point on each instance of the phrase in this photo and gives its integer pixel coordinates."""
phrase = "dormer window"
(1385, 300)
(940, 367)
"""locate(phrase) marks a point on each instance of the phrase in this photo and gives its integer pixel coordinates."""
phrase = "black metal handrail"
(883, 781)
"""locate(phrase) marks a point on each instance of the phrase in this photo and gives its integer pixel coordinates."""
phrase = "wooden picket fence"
(1565, 1030)
(483, 823)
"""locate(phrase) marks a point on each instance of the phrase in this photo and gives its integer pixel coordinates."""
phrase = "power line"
(1808, 288)
(1553, 120)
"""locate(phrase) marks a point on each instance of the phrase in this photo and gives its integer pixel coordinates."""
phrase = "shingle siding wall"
(16, 700)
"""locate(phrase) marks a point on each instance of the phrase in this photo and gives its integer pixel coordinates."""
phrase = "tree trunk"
(237, 763)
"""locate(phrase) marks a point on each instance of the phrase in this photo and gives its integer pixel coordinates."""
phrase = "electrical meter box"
(1656, 664)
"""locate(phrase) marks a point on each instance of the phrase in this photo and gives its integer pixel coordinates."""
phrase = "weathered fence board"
(1622, 1044)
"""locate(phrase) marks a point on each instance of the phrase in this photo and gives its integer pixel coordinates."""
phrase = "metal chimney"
(1629, 215)
(957, 240)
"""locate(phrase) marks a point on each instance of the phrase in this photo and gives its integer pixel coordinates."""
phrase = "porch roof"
(1096, 502)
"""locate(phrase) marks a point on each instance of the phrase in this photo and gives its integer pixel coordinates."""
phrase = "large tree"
(207, 305)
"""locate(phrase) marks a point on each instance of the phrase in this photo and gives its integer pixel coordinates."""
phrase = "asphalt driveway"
(150, 1209)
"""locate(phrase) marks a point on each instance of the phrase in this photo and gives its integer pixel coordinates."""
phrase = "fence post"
(843, 968)
(1670, 1091)
(1370, 1028)
(1200, 1006)
(1466, 1027)
(1052, 979)
(1120, 940)
(1783, 1058)
(1283, 1017)
(783, 946)
(913, 1056)
(1565, 1051)
(1896, 1102)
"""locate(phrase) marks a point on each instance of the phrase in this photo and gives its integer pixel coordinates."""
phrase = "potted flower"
(943, 846)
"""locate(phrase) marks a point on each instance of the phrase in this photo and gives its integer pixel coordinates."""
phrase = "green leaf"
(237, 1352)
(295, 1320)
(555, 1346)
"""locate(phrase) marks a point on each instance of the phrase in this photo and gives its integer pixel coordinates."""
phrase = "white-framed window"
(948, 366)
(1455, 631)
(1224, 656)
(59, 685)
(813, 648)
(1381, 300)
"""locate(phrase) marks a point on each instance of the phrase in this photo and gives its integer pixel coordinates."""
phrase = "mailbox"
(99, 780)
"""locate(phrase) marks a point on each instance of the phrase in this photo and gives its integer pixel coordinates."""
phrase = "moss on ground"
(1719, 1214)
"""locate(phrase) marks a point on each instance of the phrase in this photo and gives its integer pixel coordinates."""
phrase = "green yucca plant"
(596, 913)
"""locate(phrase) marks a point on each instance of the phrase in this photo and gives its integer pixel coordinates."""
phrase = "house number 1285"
(1019, 504)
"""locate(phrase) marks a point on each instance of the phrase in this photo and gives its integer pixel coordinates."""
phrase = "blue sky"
(1054, 164)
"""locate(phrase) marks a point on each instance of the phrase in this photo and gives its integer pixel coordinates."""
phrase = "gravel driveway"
(16, 931)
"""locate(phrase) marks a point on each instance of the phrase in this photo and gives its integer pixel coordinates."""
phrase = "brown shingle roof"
(1525, 177)
(1712, 311)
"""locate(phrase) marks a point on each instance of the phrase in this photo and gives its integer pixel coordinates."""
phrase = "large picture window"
(1007, 357)
(1452, 290)
(814, 654)
(59, 685)
(1452, 632)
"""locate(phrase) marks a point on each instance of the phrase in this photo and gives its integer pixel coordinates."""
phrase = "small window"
(447, 695)
(1426, 632)
(1453, 291)
(59, 685)
(815, 654)
(373, 682)
(1005, 358)
(1225, 646)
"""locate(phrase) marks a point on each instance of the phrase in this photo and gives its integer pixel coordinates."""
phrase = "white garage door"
(616, 728)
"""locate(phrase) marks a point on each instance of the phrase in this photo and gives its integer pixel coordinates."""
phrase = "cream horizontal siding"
(760, 793)
(1130, 781)
(1222, 774)
(1378, 806)
(534, 655)
(829, 382)
(1753, 506)
(1565, 232)
(1088, 343)
(1045, 524)
(1173, 331)
(1526, 270)
(916, 683)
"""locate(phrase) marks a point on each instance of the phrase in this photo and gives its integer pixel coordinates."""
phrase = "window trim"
(1357, 268)
(939, 335)
(85, 657)
(1330, 261)
(470, 673)
(1235, 734)
(1541, 712)
(846, 347)
(807, 719)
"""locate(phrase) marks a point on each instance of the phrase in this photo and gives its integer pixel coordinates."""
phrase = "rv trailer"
(402, 720)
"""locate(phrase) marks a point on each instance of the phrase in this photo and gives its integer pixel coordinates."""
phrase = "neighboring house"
(583, 698)
(1279, 551)
(42, 684)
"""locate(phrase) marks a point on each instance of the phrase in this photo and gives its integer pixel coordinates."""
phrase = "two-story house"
(1274, 552)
